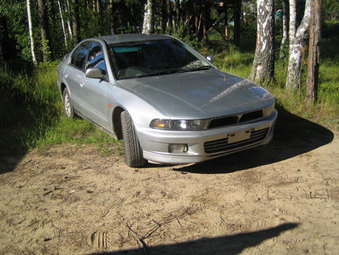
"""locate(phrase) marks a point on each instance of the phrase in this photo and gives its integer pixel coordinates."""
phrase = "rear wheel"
(68, 107)
(133, 150)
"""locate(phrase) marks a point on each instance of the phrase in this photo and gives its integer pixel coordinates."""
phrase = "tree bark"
(263, 64)
(163, 16)
(284, 39)
(148, 25)
(297, 42)
(67, 11)
(46, 55)
(30, 30)
(314, 53)
(177, 14)
(62, 23)
(226, 18)
(76, 22)
(112, 26)
(169, 16)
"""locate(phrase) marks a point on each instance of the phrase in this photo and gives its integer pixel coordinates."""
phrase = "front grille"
(251, 116)
(231, 120)
(234, 119)
(222, 145)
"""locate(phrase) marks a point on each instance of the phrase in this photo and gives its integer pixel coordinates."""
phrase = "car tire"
(133, 150)
(68, 106)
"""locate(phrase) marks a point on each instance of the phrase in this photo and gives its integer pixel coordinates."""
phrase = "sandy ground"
(278, 199)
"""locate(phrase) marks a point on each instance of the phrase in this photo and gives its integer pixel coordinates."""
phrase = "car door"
(75, 76)
(94, 89)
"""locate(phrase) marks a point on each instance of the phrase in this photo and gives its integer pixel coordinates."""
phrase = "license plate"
(239, 136)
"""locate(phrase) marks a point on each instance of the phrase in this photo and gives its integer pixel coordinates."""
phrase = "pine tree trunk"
(112, 27)
(76, 21)
(237, 16)
(314, 53)
(46, 55)
(226, 19)
(285, 29)
(263, 64)
(30, 30)
(170, 16)
(297, 42)
(148, 25)
(163, 16)
(177, 14)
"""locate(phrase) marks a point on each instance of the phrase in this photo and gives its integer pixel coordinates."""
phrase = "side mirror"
(210, 58)
(94, 72)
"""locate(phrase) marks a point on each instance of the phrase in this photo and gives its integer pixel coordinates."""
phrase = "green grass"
(32, 115)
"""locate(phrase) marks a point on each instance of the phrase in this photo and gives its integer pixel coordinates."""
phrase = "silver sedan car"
(167, 102)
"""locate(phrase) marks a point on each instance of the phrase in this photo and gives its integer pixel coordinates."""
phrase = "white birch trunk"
(62, 24)
(297, 43)
(30, 30)
(263, 64)
(147, 27)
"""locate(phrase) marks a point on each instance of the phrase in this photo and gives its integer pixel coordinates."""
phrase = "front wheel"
(133, 150)
(68, 107)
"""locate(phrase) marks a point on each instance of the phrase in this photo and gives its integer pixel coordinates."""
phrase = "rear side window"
(96, 57)
(79, 56)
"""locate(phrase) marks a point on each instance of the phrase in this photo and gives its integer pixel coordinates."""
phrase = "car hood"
(200, 94)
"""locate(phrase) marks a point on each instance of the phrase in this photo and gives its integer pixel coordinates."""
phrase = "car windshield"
(154, 57)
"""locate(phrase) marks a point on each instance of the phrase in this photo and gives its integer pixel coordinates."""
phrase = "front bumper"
(207, 144)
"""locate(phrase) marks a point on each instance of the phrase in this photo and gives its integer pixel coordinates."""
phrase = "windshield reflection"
(154, 57)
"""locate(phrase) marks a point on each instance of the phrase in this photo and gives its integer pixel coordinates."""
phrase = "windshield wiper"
(160, 73)
(199, 68)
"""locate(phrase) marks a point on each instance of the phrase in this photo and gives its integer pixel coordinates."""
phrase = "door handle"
(82, 84)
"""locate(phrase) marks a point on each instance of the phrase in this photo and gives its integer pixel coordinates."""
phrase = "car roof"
(111, 39)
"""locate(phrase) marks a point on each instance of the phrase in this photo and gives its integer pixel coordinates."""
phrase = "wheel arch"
(116, 122)
(62, 88)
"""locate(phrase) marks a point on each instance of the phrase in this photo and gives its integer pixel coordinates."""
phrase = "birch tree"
(263, 64)
(297, 39)
(62, 24)
(67, 11)
(30, 31)
(148, 24)
(314, 52)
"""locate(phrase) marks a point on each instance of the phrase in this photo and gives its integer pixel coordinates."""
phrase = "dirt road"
(277, 199)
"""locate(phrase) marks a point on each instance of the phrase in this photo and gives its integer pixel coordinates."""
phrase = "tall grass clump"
(31, 113)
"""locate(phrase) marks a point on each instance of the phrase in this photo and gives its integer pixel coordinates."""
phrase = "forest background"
(30, 106)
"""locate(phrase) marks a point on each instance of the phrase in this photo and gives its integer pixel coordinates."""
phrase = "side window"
(78, 57)
(96, 57)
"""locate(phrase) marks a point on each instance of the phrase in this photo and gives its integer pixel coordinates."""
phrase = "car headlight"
(268, 110)
(182, 125)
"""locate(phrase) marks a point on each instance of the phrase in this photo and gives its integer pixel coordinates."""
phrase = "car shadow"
(232, 244)
(293, 136)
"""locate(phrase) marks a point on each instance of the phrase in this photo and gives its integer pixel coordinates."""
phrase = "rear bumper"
(205, 145)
